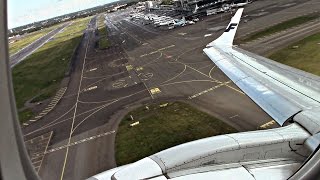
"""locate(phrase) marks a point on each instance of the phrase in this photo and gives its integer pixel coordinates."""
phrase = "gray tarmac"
(143, 65)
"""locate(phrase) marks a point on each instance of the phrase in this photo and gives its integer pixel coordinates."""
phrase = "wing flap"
(277, 106)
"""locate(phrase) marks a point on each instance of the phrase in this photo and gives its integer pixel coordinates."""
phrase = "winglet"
(226, 39)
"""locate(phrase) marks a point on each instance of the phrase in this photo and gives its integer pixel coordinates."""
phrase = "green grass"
(41, 72)
(161, 128)
(103, 43)
(28, 39)
(167, 2)
(25, 115)
(281, 27)
(103, 40)
(306, 57)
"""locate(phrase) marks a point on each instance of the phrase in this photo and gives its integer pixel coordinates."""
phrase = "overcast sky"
(22, 12)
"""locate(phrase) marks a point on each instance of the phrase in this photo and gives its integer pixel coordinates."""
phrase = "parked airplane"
(290, 96)
(180, 22)
(241, 4)
(167, 22)
(163, 21)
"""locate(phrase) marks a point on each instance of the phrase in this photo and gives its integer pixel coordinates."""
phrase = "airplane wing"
(290, 96)
(280, 90)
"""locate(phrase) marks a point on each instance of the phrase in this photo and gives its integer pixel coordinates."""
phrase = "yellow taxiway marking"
(156, 51)
(267, 124)
(145, 76)
(129, 67)
(163, 105)
(211, 71)
(208, 90)
(139, 68)
(155, 91)
(75, 111)
(185, 67)
(119, 84)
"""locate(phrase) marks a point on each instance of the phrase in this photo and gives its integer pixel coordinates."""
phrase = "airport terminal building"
(206, 6)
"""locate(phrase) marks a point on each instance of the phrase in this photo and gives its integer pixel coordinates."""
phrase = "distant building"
(28, 28)
(140, 8)
(65, 19)
(119, 7)
(203, 6)
(152, 5)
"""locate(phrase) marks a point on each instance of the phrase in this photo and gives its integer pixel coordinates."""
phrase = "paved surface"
(55, 100)
(26, 51)
(143, 65)
(268, 44)
(36, 148)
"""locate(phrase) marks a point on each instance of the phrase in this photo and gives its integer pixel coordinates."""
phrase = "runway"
(28, 50)
(271, 43)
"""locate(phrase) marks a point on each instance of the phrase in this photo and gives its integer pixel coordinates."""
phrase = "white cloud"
(56, 9)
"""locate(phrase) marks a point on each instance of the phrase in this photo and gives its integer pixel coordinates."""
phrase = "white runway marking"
(234, 116)
(91, 88)
(79, 142)
(93, 69)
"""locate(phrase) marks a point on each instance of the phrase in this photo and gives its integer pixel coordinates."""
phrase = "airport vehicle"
(152, 17)
(190, 22)
(182, 21)
(290, 96)
(179, 22)
(195, 19)
(135, 16)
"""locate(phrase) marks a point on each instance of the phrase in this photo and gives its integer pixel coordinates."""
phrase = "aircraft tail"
(226, 39)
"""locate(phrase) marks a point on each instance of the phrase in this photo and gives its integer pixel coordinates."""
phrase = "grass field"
(103, 41)
(281, 27)
(40, 74)
(305, 55)
(29, 38)
(161, 128)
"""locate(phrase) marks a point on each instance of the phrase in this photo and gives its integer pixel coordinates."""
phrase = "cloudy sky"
(21, 12)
